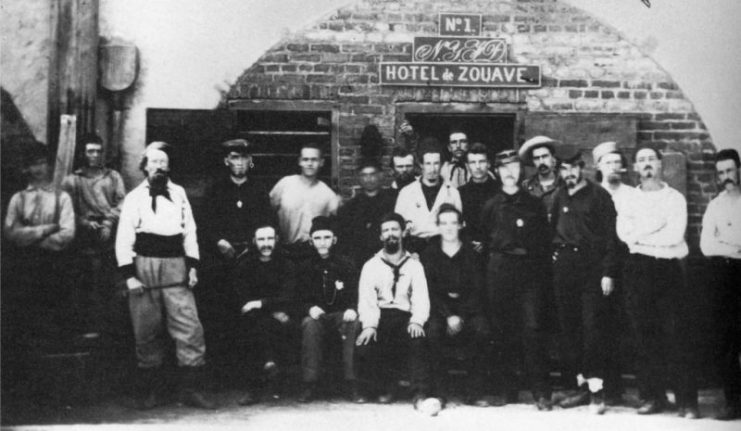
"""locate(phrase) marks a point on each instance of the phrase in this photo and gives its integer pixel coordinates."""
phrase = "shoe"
(729, 413)
(146, 403)
(691, 413)
(198, 400)
(247, 399)
(386, 398)
(580, 399)
(427, 406)
(613, 399)
(650, 407)
(307, 395)
(597, 403)
(353, 392)
(544, 404)
(483, 401)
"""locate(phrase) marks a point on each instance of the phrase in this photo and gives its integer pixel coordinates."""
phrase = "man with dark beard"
(538, 151)
(157, 253)
(721, 242)
(264, 287)
(455, 171)
(393, 308)
(585, 265)
(402, 164)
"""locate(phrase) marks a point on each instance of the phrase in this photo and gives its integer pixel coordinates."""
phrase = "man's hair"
(264, 225)
(478, 148)
(401, 152)
(311, 146)
(156, 145)
(34, 152)
(392, 216)
(647, 147)
(448, 208)
(429, 145)
(457, 129)
(368, 163)
(728, 154)
(90, 138)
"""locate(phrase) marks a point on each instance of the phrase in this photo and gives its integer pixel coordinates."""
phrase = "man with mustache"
(402, 165)
(653, 223)
(157, 253)
(518, 242)
(455, 171)
(721, 242)
(393, 308)
(538, 151)
(264, 288)
(97, 194)
(585, 264)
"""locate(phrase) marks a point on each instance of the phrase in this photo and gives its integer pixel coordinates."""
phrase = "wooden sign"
(459, 50)
(65, 148)
(460, 75)
(459, 24)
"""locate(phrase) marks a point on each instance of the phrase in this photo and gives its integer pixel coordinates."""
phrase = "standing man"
(299, 198)
(653, 225)
(97, 193)
(456, 287)
(538, 151)
(358, 218)
(328, 285)
(264, 290)
(157, 253)
(585, 265)
(721, 242)
(393, 308)
(518, 242)
(419, 201)
(234, 207)
(475, 193)
(402, 164)
(455, 171)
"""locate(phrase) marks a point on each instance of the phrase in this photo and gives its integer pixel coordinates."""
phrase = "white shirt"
(653, 223)
(172, 218)
(298, 202)
(620, 195)
(375, 291)
(721, 227)
(411, 204)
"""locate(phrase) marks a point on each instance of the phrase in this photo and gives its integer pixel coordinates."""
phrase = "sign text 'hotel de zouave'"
(460, 60)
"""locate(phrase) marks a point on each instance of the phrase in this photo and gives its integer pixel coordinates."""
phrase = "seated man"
(456, 287)
(329, 296)
(393, 307)
(264, 285)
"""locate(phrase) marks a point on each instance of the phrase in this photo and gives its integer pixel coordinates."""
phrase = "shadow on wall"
(14, 134)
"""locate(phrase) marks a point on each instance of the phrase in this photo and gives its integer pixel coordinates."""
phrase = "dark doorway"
(496, 131)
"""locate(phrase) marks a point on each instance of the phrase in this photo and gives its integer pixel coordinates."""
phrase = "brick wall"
(587, 67)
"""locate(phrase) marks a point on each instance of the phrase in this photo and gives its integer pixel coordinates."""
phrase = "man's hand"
(135, 286)
(315, 312)
(455, 325)
(415, 330)
(50, 229)
(478, 246)
(350, 315)
(406, 128)
(281, 317)
(251, 305)
(104, 233)
(192, 278)
(366, 336)
(94, 225)
(608, 285)
(225, 248)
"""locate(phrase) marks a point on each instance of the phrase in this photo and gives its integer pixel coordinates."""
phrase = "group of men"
(465, 258)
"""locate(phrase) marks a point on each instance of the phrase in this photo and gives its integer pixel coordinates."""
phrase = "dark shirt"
(586, 220)
(545, 193)
(455, 283)
(431, 192)
(232, 212)
(318, 283)
(473, 197)
(358, 224)
(272, 282)
(517, 224)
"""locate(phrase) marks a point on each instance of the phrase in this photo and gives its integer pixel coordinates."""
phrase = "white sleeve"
(190, 239)
(126, 233)
(710, 243)
(420, 300)
(368, 311)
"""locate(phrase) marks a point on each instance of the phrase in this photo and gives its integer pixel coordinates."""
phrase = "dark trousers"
(271, 340)
(615, 336)
(394, 350)
(662, 320)
(582, 312)
(517, 297)
(316, 333)
(725, 275)
(475, 335)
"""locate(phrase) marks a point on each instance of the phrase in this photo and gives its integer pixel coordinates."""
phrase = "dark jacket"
(272, 282)
(317, 283)
(517, 224)
(473, 197)
(358, 224)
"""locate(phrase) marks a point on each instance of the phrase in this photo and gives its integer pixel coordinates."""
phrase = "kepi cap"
(536, 142)
(321, 223)
(504, 157)
(568, 153)
(603, 149)
(241, 146)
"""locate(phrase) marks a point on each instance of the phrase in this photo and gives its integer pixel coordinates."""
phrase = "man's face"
(571, 174)
(611, 167)
(39, 170)
(478, 164)
(323, 240)
(94, 155)
(370, 179)
(310, 162)
(648, 164)
(509, 173)
(728, 174)
(431, 167)
(391, 236)
(238, 163)
(265, 241)
(458, 145)
(158, 165)
(543, 160)
(449, 225)
(404, 168)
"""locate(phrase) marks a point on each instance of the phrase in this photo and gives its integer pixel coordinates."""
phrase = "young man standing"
(474, 194)
(328, 291)
(455, 171)
(721, 242)
(538, 151)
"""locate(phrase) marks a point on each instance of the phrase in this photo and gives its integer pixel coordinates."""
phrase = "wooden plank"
(66, 148)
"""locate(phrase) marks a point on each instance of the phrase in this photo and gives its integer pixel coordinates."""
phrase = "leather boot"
(192, 384)
(146, 384)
